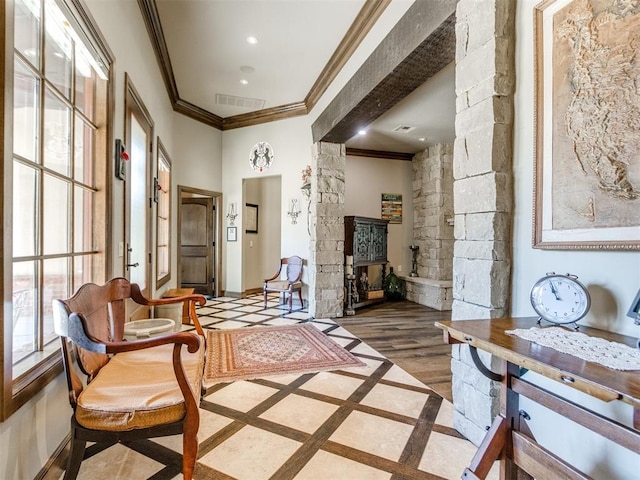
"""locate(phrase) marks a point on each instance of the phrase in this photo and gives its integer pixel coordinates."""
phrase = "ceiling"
(214, 74)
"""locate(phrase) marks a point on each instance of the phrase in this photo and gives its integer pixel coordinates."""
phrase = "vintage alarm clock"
(560, 299)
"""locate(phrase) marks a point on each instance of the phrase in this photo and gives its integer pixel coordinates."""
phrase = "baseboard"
(55, 466)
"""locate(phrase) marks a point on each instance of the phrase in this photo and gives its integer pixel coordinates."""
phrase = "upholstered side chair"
(135, 389)
(291, 272)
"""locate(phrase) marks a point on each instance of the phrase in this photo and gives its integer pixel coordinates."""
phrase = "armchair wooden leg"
(265, 299)
(300, 296)
(290, 302)
(76, 454)
(189, 451)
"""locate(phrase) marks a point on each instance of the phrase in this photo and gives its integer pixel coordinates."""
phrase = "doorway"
(137, 214)
(199, 258)
(261, 241)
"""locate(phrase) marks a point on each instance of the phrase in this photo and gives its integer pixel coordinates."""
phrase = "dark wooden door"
(196, 244)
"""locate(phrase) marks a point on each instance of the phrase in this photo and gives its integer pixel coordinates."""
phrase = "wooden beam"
(360, 152)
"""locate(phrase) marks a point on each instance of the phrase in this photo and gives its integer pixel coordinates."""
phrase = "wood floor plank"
(404, 332)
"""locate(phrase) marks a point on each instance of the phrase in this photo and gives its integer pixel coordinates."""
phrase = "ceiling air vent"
(243, 102)
(403, 129)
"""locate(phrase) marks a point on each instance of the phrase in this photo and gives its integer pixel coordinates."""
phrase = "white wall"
(366, 179)
(612, 279)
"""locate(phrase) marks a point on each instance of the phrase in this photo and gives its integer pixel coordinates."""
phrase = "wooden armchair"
(292, 282)
(135, 389)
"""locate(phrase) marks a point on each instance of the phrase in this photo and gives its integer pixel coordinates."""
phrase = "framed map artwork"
(587, 161)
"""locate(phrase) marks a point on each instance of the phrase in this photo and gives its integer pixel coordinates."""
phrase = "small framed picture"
(232, 234)
(251, 218)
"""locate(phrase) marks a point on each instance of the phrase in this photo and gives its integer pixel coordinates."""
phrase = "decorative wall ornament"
(261, 156)
(232, 213)
(587, 162)
(294, 211)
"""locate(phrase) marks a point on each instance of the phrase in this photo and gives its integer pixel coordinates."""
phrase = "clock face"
(560, 299)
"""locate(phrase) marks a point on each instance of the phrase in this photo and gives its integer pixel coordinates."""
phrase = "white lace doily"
(592, 349)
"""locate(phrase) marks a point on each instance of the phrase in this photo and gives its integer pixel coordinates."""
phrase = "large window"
(58, 171)
(163, 225)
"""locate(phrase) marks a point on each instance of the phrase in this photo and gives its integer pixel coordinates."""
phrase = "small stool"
(150, 327)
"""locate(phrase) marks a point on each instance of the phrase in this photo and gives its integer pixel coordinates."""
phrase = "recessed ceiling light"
(252, 40)
(244, 81)
(422, 139)
(362, 132)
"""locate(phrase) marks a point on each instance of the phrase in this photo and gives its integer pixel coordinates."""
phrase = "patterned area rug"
(249, 353)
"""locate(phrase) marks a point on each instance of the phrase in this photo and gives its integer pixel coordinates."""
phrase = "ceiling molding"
(197, 113)
(364, 21)
(264, 116)
(360, 152)
(151, 17)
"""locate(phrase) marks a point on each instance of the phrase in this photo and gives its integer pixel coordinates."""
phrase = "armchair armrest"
(192, 299)
(78, 335)
(276, 275)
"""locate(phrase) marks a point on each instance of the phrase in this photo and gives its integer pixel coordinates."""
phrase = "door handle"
(133, 264)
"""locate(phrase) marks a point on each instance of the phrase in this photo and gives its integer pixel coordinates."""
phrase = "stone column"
(483, 151)
(432, 207)
(326, 271)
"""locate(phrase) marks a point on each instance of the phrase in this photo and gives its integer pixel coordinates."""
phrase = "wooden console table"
(509, 438)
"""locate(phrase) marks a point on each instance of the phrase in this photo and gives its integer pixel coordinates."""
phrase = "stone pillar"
(482, 164)
(326, 271)
(432, 207)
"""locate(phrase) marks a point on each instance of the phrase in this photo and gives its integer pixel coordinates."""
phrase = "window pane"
(24, 311)
(83, 220)
(164, 185)
(55, 284)
(82, 271)
(25, 210)
(58, 50)
(26, 94)
(138, 218)
(55, 215)
(85, 84)
(83, 152)
(27, 30)
(57, 134)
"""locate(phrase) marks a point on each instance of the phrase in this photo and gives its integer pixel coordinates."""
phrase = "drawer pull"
(567, 379)
(468, 339)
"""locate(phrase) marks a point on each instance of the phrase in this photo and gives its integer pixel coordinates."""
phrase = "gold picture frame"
(587, 152)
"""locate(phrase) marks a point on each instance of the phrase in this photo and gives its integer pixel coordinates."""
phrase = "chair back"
(294, 268)
(102, 309)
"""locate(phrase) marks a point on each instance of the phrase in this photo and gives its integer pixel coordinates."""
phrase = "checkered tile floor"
(367, 423)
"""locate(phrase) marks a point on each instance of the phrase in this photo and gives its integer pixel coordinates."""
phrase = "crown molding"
(364, 21)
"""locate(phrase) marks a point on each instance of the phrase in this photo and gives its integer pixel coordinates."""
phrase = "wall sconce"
(294, 211)
(232, 213)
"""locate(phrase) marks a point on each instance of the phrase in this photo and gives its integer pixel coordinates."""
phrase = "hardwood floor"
(403, 331)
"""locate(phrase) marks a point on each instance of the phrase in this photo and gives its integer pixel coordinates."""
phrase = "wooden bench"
(135, 389)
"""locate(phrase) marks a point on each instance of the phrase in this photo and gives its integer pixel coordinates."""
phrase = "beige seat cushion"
(282, 285)
(139, 389)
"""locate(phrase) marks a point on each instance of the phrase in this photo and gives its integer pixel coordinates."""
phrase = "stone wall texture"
(432, 208)
(326, 271)
(482, 191)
